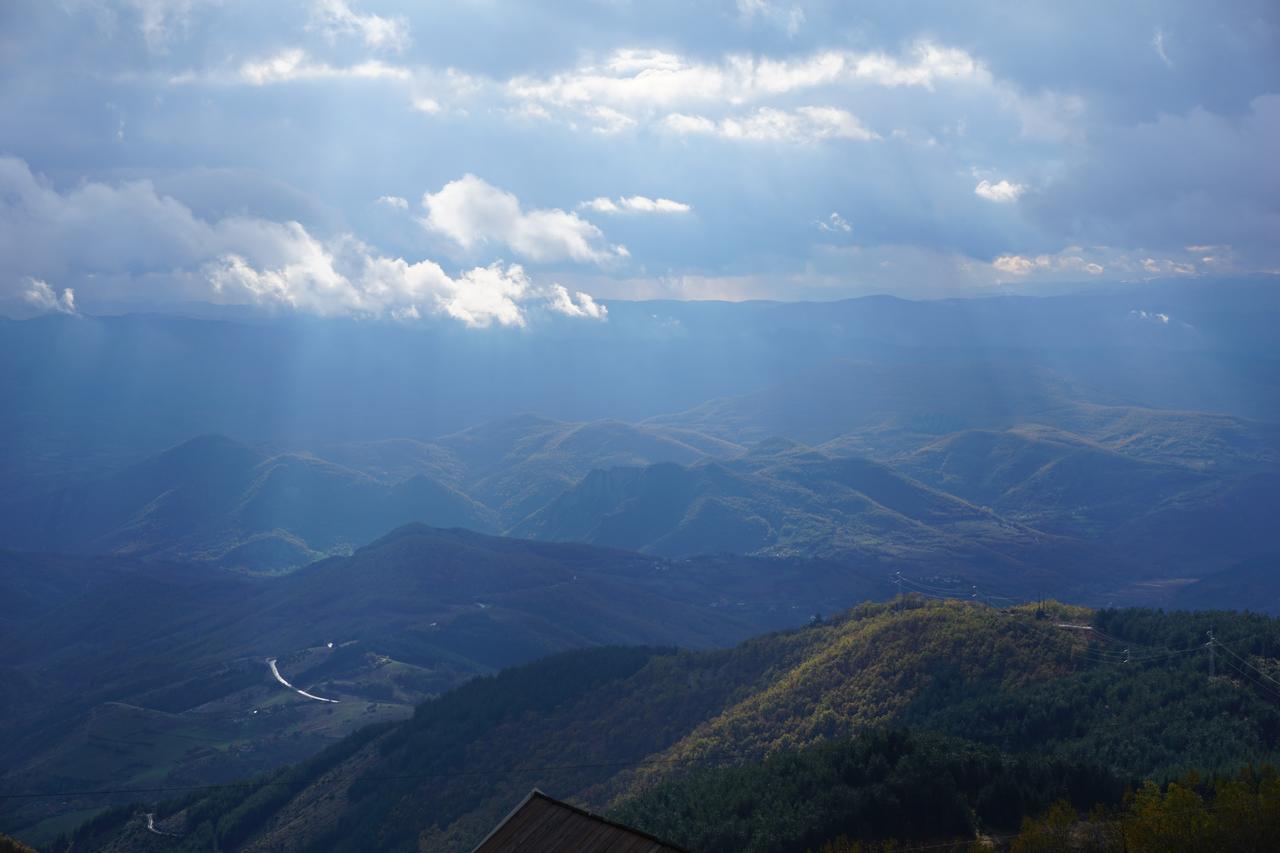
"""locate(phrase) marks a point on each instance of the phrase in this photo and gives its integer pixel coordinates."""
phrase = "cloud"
(835, 223)
(804, 125)
(335, 17)
(294, 64)
(1151, 316)
(1001, 192)
(643, 85)
(1157, 42)
(394, 201)
(632, 77)
(289, 66)
(1166, 266)
(471, 212)
(575, 305)
(161, 20)
(1014, 264)
(313, 280)
(39, 294)
(345, 277)
(635, 204)
(126, 241)
(1075, 263)
(1118, 150)
(1068, 261)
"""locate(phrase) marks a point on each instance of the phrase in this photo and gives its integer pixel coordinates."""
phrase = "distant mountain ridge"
(153, 381)
(215, 499)
(1137, 429)
(1041, 485)
(806, 503)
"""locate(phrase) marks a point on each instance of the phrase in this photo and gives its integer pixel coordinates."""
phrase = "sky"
(487, 161)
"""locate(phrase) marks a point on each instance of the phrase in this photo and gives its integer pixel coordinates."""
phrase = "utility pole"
(1211, 661)
(898, 578)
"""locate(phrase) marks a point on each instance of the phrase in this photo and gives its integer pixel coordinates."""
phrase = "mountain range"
(625, 729)
(1029, 493)
(274, 533)
(122, 670)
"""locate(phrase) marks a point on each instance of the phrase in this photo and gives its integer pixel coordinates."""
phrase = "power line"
(1138, 651)
(1252, 679)
(932, 587)
(1211, 659)
(1228, 650)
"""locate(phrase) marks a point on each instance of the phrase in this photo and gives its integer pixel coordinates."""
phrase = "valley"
(184, 681)
(636, 732)
(226, 605)
(728, 426)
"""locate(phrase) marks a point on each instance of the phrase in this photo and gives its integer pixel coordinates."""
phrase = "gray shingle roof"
(542, 824)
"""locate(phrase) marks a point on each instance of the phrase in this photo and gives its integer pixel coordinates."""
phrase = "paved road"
(151, 826)
(280, 678)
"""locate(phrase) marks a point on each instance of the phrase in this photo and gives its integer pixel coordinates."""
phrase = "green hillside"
(895, 790)
(1114, 697)
(173, 685)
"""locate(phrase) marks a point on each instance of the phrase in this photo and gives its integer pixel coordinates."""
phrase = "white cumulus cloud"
(1014, 264)
(345, 278)
(39, 294)
(125, 241)
(575, 305)
(472, 212)
(1001, 192)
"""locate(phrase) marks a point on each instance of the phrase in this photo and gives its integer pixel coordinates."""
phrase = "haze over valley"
(747, 425)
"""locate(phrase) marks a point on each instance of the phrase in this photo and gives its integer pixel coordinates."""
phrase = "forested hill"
(1057, 702)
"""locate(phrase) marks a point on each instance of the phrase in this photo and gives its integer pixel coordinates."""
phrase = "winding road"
(271, 662)
(151, 826)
